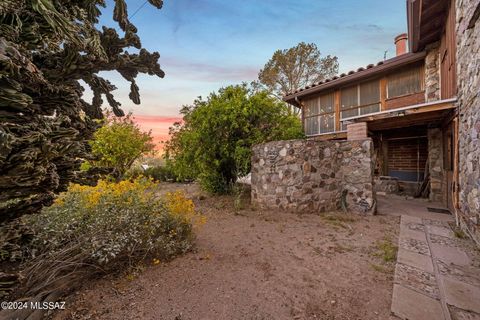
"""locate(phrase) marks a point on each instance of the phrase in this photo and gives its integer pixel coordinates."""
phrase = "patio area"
(437, 275)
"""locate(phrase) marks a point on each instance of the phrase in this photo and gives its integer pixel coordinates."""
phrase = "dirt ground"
(251, 264)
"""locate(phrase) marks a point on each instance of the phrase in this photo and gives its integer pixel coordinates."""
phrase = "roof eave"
(413, 24)
(396, 62)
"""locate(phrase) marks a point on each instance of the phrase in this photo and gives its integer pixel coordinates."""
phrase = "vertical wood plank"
(337, 110)
(302, 110)
(385, 157)
(455, 164)
(383, 93)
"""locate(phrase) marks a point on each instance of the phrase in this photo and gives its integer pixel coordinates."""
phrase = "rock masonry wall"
(432, 73)
(435, 158)
(314, 176)
(468, 81)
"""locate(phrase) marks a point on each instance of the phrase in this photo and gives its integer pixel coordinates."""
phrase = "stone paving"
(437, 275)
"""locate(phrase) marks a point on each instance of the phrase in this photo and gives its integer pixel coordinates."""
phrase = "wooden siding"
(366, 99)
(404, 101)
(448, 72)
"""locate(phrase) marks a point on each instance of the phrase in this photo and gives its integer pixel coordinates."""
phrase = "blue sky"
(207, 44)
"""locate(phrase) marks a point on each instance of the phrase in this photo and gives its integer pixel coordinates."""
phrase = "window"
(405, 82)
(360, 99)
(319, 115)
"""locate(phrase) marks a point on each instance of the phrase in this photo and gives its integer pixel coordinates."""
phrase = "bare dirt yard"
(252, 264)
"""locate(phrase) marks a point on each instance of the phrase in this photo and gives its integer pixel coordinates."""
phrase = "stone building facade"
(314, 176)
(435, 165)
(468, 81)
(432, 72)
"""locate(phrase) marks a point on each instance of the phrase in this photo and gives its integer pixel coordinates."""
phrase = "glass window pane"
(327, 123)
(311, 126)
(311, 107)
(405, 82)
(369, 92)
(349, 97)
(327, 103)
(370, 109)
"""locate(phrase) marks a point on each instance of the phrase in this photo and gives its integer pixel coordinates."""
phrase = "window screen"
(327, 103)
(319, 114)
(360, 99)
(349, 98)
(369, 97)
(369, 93)
(405, 82)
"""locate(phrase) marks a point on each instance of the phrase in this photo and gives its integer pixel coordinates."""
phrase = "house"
(421, 109)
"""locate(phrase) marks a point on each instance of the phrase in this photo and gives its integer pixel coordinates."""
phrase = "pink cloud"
(158, 125)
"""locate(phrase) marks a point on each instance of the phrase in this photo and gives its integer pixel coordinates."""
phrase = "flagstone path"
(437, 276)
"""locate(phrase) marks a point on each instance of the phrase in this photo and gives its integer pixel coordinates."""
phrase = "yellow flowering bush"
(183, 208)
(114, 223)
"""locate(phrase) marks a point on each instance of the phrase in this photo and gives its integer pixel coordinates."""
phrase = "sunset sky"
(207, 44)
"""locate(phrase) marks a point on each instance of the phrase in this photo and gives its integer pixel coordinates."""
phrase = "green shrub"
(160, 173)
(133, 173)
(213, 143)
(106, 227)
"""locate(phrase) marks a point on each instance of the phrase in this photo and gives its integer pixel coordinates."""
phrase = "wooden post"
(455, 164)
(302, 112)
(337, 110)
(385, 157)
(383, 93)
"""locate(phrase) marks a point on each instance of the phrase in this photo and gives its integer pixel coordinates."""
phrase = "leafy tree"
(213, 144)
(46, 47)
(119, 143)
(297, 67)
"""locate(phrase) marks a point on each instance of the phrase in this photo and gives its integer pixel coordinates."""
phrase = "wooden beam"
(423, 119)
(330, 136)
(414, 20)
(431, 108)
(434, 9)
(449, 118)
(403, 112)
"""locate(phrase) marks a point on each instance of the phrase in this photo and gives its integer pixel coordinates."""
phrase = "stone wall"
(432, 73)
(435, 164)
(468, 81)
(314, 176)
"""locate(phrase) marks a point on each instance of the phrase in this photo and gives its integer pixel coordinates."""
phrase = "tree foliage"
(297, 67)
(213, 144)
(46, 47)
(118, 143)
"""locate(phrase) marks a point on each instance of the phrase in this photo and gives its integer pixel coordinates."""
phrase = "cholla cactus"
(46, 47)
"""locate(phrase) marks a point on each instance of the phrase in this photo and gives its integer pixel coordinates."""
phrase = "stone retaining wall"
(468, 80)
(314, 176)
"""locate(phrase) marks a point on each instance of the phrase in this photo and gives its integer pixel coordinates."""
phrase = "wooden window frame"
(319, 115)
(361, 106)
(421, 73)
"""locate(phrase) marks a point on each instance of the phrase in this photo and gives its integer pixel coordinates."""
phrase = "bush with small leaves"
(107, 227)
(161, 173)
